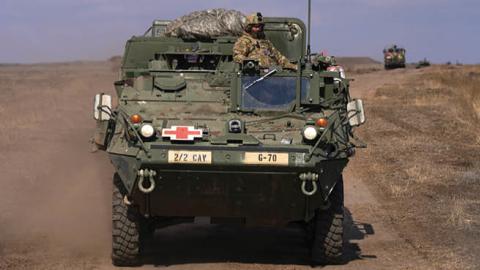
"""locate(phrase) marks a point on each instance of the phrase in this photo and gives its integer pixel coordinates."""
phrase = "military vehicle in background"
(423, 63)
(195, 134)
(394, 57)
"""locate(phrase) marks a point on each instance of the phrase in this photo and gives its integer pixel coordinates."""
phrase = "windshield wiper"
(260, 79)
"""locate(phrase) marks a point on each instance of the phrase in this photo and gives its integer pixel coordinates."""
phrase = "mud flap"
(330, 172)
(126, 167)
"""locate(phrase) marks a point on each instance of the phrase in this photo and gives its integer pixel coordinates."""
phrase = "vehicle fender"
(126, 167)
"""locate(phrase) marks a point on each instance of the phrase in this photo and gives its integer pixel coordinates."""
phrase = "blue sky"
(63, 30)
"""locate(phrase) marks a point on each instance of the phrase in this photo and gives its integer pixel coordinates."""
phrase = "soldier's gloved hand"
(292, 66)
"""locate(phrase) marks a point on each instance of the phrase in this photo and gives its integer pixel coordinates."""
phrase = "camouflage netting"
(207, 24)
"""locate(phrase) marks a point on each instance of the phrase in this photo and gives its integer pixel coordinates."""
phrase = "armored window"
(272, 94)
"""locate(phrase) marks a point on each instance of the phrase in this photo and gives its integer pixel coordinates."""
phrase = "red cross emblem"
(182, 133)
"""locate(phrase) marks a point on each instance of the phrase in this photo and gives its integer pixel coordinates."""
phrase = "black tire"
(326, 230)
(126, 240)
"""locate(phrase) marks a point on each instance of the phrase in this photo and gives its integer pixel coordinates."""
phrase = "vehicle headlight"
(147, 131)
(310, 133)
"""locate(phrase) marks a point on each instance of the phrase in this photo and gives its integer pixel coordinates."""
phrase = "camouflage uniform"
(259, 49)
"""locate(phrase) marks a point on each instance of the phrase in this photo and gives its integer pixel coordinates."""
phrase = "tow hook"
(148, 175)
(312, 177)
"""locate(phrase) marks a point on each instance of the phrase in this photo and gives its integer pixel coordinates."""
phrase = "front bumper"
(228, 187)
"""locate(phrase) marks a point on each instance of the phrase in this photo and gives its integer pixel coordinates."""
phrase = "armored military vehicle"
(394, 57)
(423, 63)
(194, 134)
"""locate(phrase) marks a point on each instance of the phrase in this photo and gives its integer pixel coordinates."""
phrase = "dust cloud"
(55, 193)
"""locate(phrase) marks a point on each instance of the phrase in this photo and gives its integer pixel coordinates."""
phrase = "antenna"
(308, 30)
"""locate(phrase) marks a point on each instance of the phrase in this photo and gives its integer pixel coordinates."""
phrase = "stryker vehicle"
(394, 57)
(194, 134)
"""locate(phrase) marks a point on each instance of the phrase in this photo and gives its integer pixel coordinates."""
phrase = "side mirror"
(102, 107)
(355, 113)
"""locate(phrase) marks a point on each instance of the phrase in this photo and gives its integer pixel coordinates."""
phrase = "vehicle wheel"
(326, 230)
(125, 228)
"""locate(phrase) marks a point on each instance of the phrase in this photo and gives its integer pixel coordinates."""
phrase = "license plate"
(190, 157)
(263, 158)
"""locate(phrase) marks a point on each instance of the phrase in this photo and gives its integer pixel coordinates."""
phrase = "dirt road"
(55, 193)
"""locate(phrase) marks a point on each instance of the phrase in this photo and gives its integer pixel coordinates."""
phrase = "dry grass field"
(423, 160)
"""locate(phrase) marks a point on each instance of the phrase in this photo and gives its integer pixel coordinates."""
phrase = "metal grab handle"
(309, 193)
(271, 135)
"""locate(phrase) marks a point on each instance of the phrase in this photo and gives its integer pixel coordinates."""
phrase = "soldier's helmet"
(253, 19)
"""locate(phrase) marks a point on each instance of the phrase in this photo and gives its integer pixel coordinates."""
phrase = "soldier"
(253, 45)
(323, 61)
